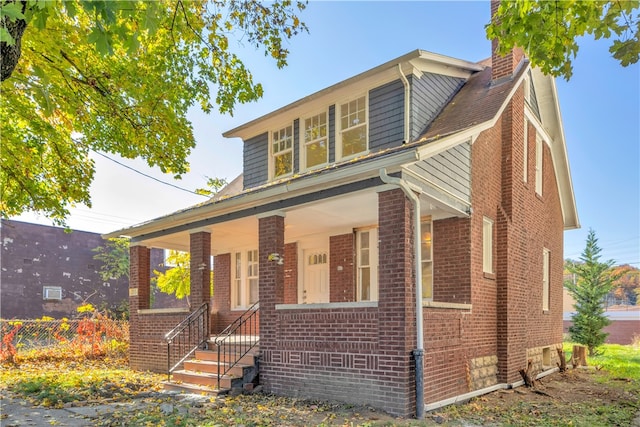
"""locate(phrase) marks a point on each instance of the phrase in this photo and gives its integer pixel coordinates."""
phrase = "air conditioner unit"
(52, 292)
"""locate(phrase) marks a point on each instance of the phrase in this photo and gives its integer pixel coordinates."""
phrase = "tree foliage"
(626, 285)
(176, 280)
(548, 30)
(114, 256)
(592, 282)
(118, 77)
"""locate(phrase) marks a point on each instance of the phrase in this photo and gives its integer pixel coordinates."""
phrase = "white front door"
(315, 287)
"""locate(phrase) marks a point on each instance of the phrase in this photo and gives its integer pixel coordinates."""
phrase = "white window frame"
(245, 272)
(426, 241)
(527, 88)
(372, 265)
(281, 152)
(304, 142)
(339, 112)
(546, 258)
(539, 160)
(525, 157)
(52, 293)
(487, 245)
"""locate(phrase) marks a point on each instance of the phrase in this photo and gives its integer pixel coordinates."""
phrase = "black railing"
(189, 335)
(237, 340)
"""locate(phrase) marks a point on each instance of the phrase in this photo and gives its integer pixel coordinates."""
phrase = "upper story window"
(315, 140)
(353, 127)
(282, 151)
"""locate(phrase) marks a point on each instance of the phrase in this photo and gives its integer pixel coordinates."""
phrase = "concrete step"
(214, 367)
(194, 388)
(226, 357)
(203, 379)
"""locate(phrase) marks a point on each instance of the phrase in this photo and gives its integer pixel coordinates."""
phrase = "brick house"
(47, 271)
(402, 230)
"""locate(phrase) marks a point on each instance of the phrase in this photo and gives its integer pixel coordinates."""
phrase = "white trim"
(283, 214)
(271, 163)
(453, 305)
(546, 278)
(487, 245)
(525, 156)
(373, 264)
(359, 304)
(539, 165)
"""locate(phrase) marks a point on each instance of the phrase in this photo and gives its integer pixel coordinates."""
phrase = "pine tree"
(593, 281)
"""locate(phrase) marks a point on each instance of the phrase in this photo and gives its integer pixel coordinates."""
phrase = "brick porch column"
(200, 267)
(396, 299)
(271, 288)
(139, 299)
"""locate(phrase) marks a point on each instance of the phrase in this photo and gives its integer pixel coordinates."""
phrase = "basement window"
(52, 293)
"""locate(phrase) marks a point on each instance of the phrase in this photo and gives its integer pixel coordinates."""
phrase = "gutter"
(407, 104)
(418, 353)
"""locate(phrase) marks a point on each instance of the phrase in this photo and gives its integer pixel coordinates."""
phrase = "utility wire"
(148, 176)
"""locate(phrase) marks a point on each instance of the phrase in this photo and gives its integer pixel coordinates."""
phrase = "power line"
(148, 176)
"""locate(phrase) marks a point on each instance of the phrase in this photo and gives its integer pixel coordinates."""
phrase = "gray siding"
(386, 116)
(332, 134)
(429, 95)
(256, 158)
(450, 170)
(296, 146)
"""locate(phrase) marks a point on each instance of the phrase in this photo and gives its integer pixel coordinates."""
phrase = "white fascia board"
(416, 62)
(363, 170)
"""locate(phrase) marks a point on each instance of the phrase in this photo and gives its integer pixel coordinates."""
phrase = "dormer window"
(282, 152)
(316, 143)
(353, 127)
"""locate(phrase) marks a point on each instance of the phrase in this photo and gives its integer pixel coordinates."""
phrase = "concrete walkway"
(15, 411)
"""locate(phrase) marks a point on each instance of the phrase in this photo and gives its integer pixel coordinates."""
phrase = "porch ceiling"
(331, 216)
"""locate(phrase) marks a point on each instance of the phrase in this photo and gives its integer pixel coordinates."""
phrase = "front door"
(315, 287)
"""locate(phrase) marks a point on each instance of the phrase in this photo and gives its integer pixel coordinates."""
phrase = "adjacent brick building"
(426, 166)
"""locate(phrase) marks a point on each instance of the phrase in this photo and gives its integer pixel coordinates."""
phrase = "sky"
(600, 107)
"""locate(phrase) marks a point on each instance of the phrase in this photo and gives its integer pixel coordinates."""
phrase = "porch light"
(277, 258)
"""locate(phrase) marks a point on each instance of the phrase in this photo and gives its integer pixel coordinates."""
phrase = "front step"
(200, 374)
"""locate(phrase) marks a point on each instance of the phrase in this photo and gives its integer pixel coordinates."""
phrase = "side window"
(367, 264)
(487, 245)
(282, 152)
(525, 163)
(245, 279)
(315, 141)
(353, 127)
(426, 238)
(545, 279)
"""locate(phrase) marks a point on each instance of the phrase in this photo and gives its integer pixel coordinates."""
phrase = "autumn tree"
(118, 77)
(176, 279)
(591, 282)
(548, 31)
(626, 285)
(114, 255)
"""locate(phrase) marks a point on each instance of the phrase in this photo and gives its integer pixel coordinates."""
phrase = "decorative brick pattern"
(342, 268)
(483, 372)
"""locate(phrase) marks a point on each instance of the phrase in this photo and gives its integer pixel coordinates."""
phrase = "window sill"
(326, 305)
(147, 311)
(546, 312)
(438, 304)
(490, 276)
(241, 309)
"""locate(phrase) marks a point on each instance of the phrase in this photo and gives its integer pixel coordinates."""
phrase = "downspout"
(418, 353)
(407, 104)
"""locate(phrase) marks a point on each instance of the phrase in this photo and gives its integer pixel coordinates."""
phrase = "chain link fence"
(83, 337)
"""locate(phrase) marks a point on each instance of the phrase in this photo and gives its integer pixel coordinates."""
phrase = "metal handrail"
(244, 329)
(196, 326)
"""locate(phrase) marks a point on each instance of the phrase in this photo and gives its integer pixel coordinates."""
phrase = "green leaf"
(5, 37)
(12, 10)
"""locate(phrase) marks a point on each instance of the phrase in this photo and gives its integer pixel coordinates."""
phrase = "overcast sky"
(600, 108)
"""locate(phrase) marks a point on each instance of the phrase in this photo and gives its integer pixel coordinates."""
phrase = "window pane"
(253, 291)
(364, 240)
(354, 141)
(283, 164)
(427, 280)
(316, 153)
(365, 284)
(425, 241)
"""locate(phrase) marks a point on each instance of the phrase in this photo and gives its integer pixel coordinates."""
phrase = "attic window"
(282, 151)
(353, 127)
(52, 293)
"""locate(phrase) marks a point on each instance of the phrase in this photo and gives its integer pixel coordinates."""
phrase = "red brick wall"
(341, 255)
(452, 260)
(147, 347)
(200, 266)
(503, 66)
(291, 273)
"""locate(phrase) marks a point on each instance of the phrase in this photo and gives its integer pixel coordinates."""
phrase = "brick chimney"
(502, 67)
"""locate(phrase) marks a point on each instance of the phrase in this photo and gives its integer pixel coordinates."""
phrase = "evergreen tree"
(593, 281)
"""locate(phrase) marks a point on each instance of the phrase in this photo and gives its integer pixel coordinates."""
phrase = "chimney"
(502, 67)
